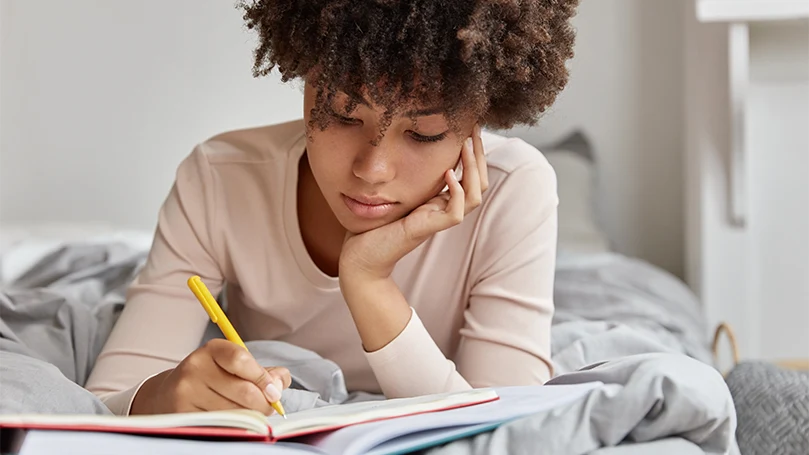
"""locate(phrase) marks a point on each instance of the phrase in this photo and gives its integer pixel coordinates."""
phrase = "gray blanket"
(639, 330)
(619, 321)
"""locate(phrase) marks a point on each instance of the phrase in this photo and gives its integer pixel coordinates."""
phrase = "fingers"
(471, 178)
(212, 400)
(480, 158)
(476, 173)
(448, 209)
(238, 362)
(279, 378)
(455, 209)
(243, 393)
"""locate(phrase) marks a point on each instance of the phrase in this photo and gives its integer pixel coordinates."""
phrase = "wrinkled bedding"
(618, 321)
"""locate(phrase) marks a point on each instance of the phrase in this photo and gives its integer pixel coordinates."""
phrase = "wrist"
(378, 308)
(354, 282)
(143, 401)
(353, 266)
(350, 273)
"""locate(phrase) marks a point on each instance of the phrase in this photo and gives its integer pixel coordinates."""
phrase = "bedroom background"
(99, 101)
(115, 94)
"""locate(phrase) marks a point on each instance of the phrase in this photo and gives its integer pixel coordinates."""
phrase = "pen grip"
(230, 333)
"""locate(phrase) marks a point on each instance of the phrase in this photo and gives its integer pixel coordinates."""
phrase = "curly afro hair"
(501, 61)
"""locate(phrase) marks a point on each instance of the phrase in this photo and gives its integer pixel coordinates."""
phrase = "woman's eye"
(421, 138)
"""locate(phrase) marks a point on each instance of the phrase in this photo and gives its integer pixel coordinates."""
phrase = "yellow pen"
(218, 317)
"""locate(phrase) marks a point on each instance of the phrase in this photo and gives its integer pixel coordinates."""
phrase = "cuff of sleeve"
(120, 403)
(412, 364)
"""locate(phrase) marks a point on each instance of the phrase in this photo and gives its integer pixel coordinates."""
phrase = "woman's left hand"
(374, 253)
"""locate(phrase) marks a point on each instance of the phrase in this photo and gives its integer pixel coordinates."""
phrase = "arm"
(506, 336)
(162, 322)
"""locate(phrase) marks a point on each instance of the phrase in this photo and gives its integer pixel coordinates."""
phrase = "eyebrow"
(424, 112)
(413, 112)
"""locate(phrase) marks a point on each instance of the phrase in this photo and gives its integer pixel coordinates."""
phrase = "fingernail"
(477, 129)
(469, 144)
(272, 393)
(454, 174)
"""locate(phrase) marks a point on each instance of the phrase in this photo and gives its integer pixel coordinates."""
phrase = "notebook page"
(244, 419)
(346, 414)
(418, 430)
(92, 443)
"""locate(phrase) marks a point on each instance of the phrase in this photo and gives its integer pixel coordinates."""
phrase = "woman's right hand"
(220, 375)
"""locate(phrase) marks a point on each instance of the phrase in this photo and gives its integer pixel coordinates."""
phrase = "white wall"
(626, 93)
(100, 100)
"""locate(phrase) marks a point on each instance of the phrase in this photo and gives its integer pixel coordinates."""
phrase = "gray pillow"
(572, 159)
(772, 408)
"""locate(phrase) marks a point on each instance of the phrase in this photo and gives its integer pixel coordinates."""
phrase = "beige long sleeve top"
(481, 293)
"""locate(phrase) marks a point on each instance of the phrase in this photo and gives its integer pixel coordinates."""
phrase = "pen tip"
(284, 416)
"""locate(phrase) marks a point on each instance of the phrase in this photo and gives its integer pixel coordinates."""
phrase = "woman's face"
(368, 182)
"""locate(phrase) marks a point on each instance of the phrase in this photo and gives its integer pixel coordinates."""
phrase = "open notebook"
(252, 425)
(410, 430)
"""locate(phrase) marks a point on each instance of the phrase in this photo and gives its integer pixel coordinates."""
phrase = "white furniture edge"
(739, 81)
(738, 14)
(751, 10)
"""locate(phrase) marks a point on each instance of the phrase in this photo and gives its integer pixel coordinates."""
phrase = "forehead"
(403, 107)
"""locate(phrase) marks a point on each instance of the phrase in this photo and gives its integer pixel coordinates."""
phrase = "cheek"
(427, 171)
(447, 158)
(326, 157)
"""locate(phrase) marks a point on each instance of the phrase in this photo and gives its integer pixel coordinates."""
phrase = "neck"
(322, 233)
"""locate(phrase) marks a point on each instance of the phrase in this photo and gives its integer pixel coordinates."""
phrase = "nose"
(375, 164)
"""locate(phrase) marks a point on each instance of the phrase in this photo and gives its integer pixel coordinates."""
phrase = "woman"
(349, 232)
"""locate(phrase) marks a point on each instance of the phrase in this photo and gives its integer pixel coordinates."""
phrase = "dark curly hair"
(502, 61)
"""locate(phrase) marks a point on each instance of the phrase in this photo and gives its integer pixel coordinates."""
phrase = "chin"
(357, 226)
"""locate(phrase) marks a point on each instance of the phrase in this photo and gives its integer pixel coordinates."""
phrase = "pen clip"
(195, 283)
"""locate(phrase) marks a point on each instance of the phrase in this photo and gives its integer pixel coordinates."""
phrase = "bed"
(618, 319)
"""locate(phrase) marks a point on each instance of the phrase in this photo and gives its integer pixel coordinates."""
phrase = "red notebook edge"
(221, 433)
(224, 433)
(337, 427)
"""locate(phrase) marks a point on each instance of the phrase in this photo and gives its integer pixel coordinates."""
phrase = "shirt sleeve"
(162, 322)
(505, 339)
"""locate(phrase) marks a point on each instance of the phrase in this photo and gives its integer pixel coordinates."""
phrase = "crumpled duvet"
(618, 321)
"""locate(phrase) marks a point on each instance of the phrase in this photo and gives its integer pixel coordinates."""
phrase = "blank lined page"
(96, 443)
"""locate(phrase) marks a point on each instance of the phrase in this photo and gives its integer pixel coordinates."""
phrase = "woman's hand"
(376, 252)
(218, 376)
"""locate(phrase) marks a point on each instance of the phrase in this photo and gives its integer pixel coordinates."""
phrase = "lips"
(369, 200)
(368, 207)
